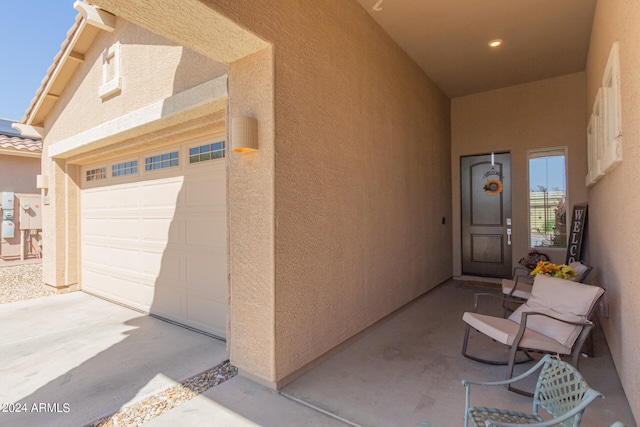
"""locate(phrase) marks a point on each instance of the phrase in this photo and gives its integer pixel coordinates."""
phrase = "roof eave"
(28, 130)
(68, 56)
(20, 153)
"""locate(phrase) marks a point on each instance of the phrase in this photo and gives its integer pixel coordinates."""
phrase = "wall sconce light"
(244, 134)
(42, 182)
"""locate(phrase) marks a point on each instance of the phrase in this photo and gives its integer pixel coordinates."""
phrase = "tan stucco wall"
(361, 175)
(18, 174)
(543, 114)
(361, 181)
(614, 208)
(251, 221)
(152, 68)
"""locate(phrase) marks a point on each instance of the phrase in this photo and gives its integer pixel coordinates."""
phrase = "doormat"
(484, 285)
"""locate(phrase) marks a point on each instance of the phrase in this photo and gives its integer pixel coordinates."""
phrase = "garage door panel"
(130, 291)
(159, 244)
(125, 229)
(206, 313)
(169, 268)
(156, 229)
(123, 197)
(161, 193)
(151, 264)
(95, 201)
(169, 302)
(126, 260)
(95, 227)
(203, 270)
(176, 230)
(205, 192)
(205, 231)
(106, 273)
(108, 285)
(95, 254)
(96, 279)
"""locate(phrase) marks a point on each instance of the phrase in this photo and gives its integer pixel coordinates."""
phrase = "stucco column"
(251, 222)
(60, 217)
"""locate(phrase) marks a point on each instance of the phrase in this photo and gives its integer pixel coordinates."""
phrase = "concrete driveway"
(72, 359)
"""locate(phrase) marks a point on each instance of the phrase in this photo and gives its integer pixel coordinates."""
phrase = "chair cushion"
(522, 291)
(504, 331)
(578, 267)
(564, 299)
(479, 415)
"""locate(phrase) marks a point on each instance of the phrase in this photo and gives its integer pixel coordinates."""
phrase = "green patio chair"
(560, 390)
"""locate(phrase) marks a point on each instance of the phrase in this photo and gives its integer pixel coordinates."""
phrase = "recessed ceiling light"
(495, 43)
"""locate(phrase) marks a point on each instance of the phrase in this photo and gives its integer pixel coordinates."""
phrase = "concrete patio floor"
(87, 358)
(406, 370)
(403, 371)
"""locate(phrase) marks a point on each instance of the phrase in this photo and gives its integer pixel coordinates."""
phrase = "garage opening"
(154, 233)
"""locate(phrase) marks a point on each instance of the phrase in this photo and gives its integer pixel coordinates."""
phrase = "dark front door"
(486, 215)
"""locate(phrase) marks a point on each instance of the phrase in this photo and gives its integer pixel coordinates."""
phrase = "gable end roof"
(89, 21)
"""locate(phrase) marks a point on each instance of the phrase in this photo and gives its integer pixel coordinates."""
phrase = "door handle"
(509, 236)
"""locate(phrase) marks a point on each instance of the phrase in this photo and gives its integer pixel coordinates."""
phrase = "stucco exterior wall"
(614, 207)
(251, 221)
(361, 175)
(19, 174)
(543, 114)
(152, 68)
(361, 181)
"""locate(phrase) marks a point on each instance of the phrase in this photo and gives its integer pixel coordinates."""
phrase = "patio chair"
(519, 286)
(560, 390)
(555, 319)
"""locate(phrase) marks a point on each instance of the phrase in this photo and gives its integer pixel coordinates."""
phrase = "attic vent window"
(111, 78)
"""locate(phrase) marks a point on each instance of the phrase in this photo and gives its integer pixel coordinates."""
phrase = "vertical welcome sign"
(576, 231)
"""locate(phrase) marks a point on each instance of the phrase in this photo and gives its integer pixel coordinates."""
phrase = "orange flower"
(547, 268)
(493, 186)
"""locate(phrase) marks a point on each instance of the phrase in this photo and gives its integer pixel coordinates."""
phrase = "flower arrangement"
(547, 268)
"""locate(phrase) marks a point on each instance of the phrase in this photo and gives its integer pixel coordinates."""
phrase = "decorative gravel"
(141, 412)
(22, 282)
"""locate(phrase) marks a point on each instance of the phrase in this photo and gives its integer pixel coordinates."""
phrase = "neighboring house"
(351, 206)
(20, 159)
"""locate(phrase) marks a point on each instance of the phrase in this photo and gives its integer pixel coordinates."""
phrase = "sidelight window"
(548, 198)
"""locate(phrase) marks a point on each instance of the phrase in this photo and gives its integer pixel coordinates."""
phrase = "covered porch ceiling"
(449, 39)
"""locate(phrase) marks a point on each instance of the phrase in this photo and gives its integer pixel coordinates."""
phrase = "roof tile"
(20, 143)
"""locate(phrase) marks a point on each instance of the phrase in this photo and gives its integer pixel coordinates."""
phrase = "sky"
(548, 172)
(31, 32)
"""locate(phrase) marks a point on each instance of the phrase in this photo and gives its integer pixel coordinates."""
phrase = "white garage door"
(153, 230)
